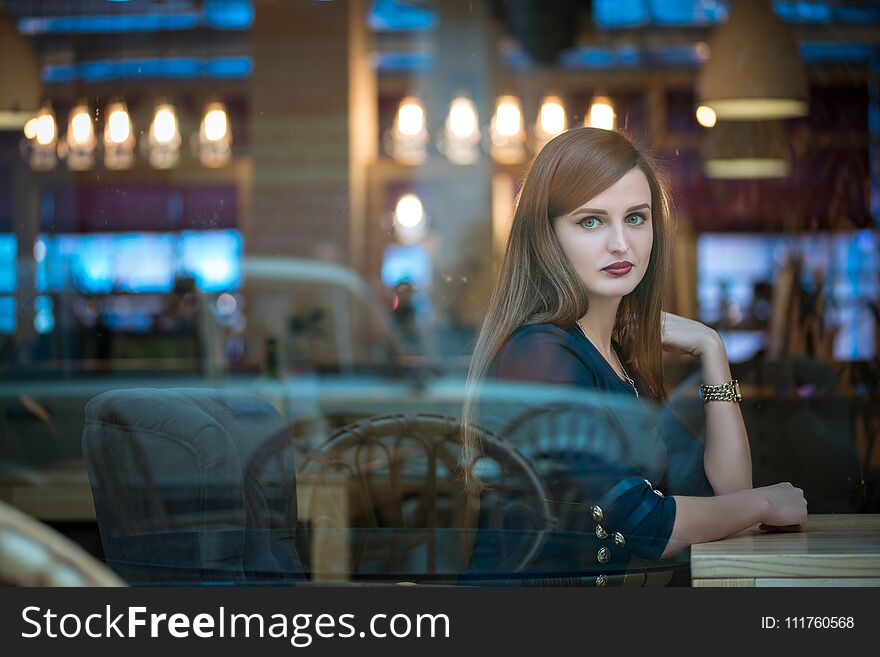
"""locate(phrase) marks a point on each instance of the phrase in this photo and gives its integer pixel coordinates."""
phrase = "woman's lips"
(622, 270)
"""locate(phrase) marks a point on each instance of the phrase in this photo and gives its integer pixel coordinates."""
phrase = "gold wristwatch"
(725, 392)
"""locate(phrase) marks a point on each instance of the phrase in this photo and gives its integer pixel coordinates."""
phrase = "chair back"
(172, 494)
(404, 471)
(582, 449)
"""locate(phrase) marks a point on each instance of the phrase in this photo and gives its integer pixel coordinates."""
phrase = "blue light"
(396, 16)
(108, 24)
(866, 241)
(217, 14)
(409, 262)
(837, 52)
(227, 67)
(402, 61)
(102, 70)
(174, 67)
(44, 315)
(515, 59)
(7, 315)
(144, 262)
(687, 12)
(228, 14)
(623, 57)
(212, 258)
(619, 13)
(91, 264)
(8, 262)
(803, 12)
(140, 262)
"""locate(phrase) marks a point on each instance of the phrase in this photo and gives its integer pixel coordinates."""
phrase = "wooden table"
(835, 550)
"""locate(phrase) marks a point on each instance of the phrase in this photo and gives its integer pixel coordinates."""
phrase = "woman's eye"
(635, 219)
(589, 222)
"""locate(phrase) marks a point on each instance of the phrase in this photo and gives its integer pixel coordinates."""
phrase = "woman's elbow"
(673, 547)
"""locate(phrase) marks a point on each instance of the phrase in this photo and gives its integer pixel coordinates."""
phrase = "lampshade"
(19, 77)
(754, 71)
(747, 149)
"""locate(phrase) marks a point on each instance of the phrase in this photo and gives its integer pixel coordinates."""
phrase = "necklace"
(625, 373)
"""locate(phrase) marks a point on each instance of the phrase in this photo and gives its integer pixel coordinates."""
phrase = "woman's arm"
(728, 458)
(704, 519)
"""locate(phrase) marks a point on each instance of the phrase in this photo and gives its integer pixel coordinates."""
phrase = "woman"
(578, 302)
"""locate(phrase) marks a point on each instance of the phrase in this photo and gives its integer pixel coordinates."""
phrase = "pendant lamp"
(747, 150)
(754, 71)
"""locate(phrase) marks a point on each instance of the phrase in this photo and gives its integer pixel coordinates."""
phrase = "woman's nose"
(617, 241)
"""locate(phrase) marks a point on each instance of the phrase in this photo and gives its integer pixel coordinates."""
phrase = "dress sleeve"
(582, 451)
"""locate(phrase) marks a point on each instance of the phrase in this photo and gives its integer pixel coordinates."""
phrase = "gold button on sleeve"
(597, 513)
(600, 532)
(603, 555)
(618, 539)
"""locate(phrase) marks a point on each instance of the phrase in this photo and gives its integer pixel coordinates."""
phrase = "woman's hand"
(786, 509)
(687, 336)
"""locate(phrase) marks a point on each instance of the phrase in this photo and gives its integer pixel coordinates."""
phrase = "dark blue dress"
(641, 512)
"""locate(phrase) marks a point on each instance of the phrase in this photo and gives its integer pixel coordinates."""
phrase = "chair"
(174, 498)
(405, 492)
(33, 554)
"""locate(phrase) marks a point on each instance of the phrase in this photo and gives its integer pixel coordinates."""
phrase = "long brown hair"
(537, 284)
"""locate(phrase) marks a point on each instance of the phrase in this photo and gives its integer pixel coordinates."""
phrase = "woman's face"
(608, 239)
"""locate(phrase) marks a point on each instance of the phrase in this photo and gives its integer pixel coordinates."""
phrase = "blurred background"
(308, 201)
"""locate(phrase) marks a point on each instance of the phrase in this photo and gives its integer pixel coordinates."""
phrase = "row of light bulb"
(161, 144)
(461, 139)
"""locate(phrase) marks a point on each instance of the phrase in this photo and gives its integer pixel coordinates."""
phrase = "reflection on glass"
(461, 137)
(601, 114)
(118, 137)
(164, 137)
(506, 131)
(408, 139)
(81, 140)
(551, 120)
(139, 262)
(410, 224)
(215, 136)
(43, 155)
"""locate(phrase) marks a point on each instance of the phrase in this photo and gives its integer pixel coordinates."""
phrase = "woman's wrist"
(761, 502)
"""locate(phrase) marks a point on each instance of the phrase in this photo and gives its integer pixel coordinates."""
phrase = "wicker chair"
(403, 472)
(33, 554)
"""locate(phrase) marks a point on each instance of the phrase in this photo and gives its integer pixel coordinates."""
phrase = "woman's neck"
(599, 321)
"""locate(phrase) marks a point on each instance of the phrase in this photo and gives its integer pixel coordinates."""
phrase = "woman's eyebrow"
(605, 212)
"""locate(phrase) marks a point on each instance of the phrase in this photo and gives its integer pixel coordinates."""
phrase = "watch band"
(725, 392)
